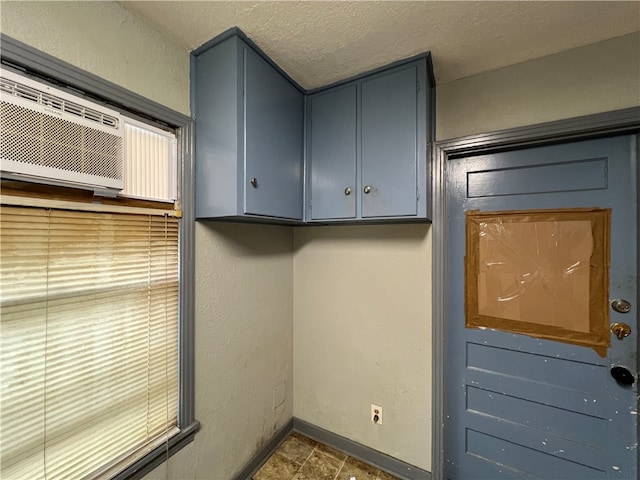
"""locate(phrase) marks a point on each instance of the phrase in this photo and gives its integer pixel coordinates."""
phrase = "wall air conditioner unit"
(49, 136)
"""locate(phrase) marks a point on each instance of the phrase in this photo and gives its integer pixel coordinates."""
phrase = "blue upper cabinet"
(358, 154)
(249, 135)
(367, 148)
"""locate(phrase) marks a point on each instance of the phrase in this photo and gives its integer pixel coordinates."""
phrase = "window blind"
(88, 339)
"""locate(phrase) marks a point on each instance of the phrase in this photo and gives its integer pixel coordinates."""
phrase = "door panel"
(332, 154)
(273, 115)
(539, 179)
(389, 144)
(521, 407)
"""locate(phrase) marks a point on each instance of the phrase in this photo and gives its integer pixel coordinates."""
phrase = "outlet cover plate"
(376, 410)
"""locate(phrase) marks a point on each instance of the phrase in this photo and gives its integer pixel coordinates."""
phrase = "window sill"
(159, 455)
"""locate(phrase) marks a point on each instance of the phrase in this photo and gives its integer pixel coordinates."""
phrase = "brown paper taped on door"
(542, 273)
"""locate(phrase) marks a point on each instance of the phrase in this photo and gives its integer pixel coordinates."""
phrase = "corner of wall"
(362, 335)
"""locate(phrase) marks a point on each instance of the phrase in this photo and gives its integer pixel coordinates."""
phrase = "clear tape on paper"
(542, 273)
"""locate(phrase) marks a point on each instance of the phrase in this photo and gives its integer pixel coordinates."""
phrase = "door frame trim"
(625, 121)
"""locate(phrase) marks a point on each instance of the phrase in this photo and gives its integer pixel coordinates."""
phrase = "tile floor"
(300, 458)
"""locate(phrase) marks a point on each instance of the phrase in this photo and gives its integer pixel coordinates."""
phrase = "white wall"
(595, 78)
(362, 335)
(244, 346)
(244, 273)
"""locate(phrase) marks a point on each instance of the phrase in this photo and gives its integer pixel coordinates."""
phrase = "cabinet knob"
(347, 191)
(254, 182)
(367, 189)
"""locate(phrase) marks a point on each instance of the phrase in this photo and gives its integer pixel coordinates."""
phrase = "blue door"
(522, 407)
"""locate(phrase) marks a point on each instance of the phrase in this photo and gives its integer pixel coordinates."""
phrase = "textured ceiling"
(318, 43)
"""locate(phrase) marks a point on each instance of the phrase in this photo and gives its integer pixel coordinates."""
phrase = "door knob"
(621, 330)
(367, 189)
(622, 375)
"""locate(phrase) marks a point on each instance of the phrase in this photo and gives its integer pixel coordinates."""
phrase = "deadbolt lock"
(620, 305)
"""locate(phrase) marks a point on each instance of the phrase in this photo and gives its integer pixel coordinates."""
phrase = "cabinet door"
(273, 135)
(389, 144)
(332, 153)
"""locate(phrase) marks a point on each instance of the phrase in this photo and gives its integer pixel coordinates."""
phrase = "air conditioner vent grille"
(33, 138)
(18, 90)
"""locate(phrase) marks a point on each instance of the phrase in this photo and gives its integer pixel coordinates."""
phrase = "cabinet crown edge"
(237, 32)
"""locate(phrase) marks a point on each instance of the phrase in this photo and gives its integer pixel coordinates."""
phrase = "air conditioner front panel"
(45, 135)
(52, 176)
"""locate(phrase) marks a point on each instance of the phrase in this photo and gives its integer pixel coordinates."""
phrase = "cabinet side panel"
(389, 144)
(215, 110)
(273, 121)
(332, 154)
(425, 119)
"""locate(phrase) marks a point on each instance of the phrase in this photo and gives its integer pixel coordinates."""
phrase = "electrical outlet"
(376, 414)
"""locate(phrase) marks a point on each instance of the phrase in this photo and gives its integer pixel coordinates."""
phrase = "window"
(88, 338)
(96, 333)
